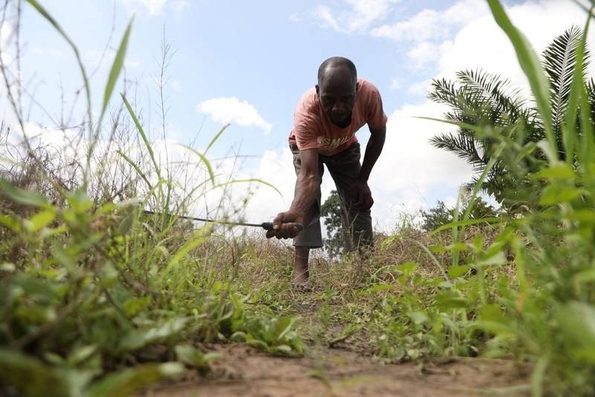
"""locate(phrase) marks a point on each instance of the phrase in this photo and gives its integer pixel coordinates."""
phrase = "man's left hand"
(361, 195)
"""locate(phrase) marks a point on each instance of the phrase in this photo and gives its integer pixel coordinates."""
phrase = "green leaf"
(446, 301)
(81, 354)
(190, 355)
(139, 338)
(419, 318)
(560, 171)
(458, 271)
(25, 197)
(129, 381)
(492, 259)
(380, 288)
(30, 376)
(492, 313)
(41, 220)
(576, 321)
(556, 194)
(407, 268)
(134, 306)
(10, 222)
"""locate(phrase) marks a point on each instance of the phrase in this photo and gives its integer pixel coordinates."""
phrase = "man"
(325, 122)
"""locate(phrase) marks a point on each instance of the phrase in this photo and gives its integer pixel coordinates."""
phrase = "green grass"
(98, 298)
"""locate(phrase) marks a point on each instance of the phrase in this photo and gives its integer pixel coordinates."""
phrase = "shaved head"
(336, 64)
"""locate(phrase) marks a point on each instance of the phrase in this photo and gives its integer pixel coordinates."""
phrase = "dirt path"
(334, 372)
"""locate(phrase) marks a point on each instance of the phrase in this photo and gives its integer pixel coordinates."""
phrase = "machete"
(264, 225)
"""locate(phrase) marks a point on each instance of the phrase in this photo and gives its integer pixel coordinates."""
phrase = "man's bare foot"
(301, 286)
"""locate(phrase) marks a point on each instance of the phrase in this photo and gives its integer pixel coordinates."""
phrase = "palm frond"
(464, 146)
(560, 62)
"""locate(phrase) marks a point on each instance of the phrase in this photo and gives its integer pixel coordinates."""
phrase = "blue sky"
(247, 63)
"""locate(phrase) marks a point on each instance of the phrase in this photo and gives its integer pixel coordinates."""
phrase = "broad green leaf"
(407, 268)
(446, 301)
(492, 313)
(81, 354)
(419, 317)
(557, 194)
(284, 325)
(190, 355)
(30, 376)
(576, 321)
(25, 197)
(134, 306)
(458, 271)
(41, 220)
(495, 258)
(561, 171)
(129, 381)
(10, 222)
(136, 339)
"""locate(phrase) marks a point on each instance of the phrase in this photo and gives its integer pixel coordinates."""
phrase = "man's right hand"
(284, 225)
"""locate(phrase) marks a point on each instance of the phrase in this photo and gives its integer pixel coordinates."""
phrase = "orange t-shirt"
(312, 129)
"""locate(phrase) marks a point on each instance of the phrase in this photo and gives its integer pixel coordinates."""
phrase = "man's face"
(337, 92)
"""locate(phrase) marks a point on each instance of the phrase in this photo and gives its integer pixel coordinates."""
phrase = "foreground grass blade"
(531, 65)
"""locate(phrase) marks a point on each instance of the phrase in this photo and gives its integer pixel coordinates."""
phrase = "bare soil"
(337, 372)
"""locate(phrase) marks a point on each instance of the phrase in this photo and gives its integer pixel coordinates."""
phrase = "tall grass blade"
(136, 168)
(216, 137)
(116, 69)
(531, 66)
(145, 139)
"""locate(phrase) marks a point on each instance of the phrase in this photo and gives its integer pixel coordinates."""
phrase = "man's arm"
(373, 150)
(362, 196)
(307, 189)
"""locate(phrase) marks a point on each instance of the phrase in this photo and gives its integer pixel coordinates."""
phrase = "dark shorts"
(344, 168)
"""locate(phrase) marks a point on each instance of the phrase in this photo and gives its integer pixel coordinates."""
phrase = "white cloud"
(181, 5)
(157, 7)
(153, 7)
(359, 15)
(410, 169)
(421, 88)
(232, 110)
(433, 25)
(295, 18)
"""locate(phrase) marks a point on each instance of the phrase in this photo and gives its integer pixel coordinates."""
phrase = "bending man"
(325, 122)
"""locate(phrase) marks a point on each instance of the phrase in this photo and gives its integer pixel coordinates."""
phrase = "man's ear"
(317, 90)
(357, 86)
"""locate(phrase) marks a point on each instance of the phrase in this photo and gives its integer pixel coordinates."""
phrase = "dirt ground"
(337, 372)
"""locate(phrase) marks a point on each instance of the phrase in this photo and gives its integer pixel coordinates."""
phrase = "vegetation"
(481, 99)
(99, 298)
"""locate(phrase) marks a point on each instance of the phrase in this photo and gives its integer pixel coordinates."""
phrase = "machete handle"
(269, 225)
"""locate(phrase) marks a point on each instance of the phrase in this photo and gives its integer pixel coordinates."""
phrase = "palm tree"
(485, 100)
